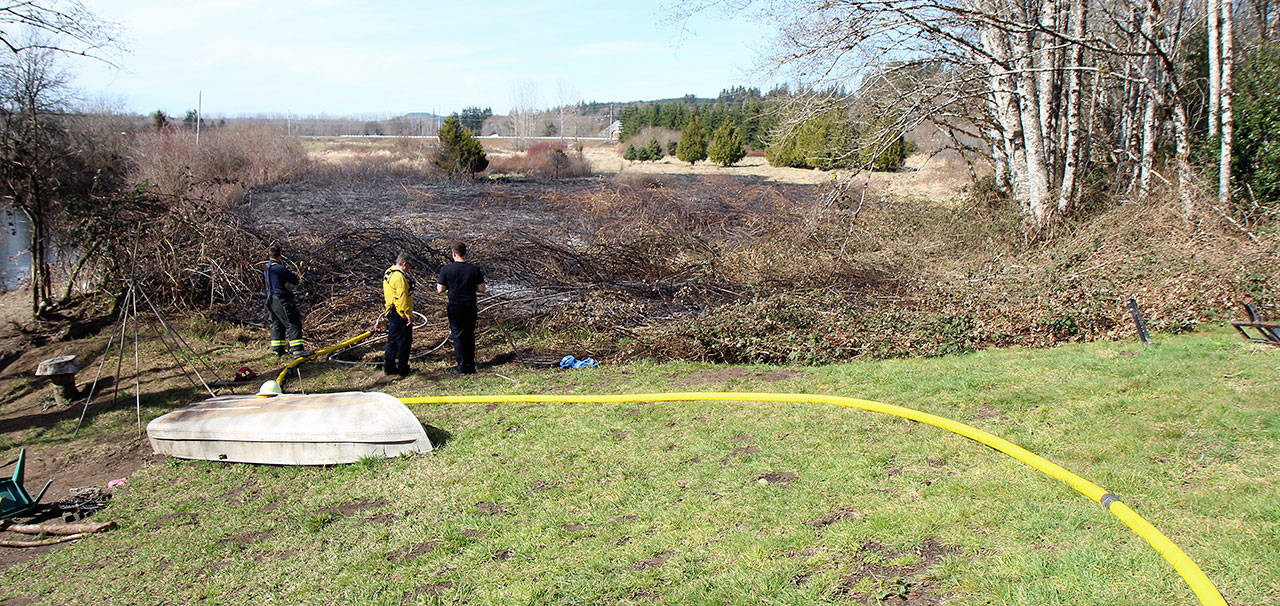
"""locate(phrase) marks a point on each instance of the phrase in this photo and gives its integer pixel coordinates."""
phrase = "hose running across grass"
(1200, 584)
(323, 352)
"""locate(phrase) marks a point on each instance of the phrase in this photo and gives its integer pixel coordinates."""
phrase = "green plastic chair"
(14, 499)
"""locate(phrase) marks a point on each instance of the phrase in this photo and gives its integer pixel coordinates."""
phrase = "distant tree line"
(746, 108)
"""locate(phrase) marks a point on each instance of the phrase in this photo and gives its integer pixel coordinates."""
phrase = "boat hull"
(290, 429)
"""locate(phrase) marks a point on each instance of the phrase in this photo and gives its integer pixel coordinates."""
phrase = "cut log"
(59, 529)
(53, 541)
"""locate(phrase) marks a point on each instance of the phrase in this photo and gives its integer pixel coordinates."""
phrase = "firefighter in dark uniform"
(286, 323)
(463, 281)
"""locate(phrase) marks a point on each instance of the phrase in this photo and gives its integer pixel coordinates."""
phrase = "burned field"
(595, 265)
(725, 268)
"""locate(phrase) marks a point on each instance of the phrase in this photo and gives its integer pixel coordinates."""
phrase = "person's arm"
(480, 288)
(439, 288)
(289, 277)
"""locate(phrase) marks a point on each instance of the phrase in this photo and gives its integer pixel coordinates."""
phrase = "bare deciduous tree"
(1012, 72)
(524, 107)
(69, 27)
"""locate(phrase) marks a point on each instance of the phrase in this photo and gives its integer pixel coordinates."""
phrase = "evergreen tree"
(822, 141)
(671, 147)
(693, 142)
(459, 151)
(726, 145)
(472, 118)
(631, 153)
(655, 149)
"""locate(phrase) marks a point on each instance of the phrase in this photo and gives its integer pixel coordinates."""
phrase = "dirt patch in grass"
(491, 509)
(626, 517)
(428, 590)
(502, 555)
(278, 555)
(92, 462)
(351, 507)
(472, 533)
(838, 514)
(744, 450)
(574, 527)
(893, 578)
(243, 494)
(409, 552)
(777, 477)
(986, 412)
(742, 437)
(382, 518)
(657, 561)
(243, 540)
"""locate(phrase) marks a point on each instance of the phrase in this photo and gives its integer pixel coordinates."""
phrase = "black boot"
(299, 352)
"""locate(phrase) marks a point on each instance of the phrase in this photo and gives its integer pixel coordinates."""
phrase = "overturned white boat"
(290, 429)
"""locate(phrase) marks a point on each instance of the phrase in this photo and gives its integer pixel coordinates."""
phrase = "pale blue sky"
(345, 57)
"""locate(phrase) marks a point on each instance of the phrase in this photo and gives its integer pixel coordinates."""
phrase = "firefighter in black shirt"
(281, 310)
(463, 280)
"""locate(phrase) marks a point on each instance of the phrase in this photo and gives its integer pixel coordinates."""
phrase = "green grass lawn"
(735, 503)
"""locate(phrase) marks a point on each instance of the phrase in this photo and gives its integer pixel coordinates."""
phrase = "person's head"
(273, 252)
(402, 260)
(459, 250)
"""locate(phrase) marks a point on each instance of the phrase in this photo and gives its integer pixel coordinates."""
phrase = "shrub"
(693, 142)
(459, 150)
(654, 149)
(1256, 152)
(226, 163)
(631, 153)
(545, 159)
(882, 148)
(672, 145)
(822, 141)
(726, 145)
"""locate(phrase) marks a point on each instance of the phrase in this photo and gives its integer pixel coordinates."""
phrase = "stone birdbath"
(61, 371)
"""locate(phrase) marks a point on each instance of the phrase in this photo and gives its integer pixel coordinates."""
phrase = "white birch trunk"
(1186, 183)
(1046, 62)
(1075, 100)
(1005, 107)
(1150, 130)
(1214, 17)
(1224, 167)
(1037, 190)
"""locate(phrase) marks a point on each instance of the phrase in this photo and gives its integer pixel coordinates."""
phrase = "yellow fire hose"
(323, 352)
(1200, 584)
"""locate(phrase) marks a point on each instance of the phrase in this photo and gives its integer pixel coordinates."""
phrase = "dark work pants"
(399, 340)
(286, 323)
(462, 329)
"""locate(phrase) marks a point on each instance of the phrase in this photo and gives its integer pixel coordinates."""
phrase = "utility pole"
(199, 113)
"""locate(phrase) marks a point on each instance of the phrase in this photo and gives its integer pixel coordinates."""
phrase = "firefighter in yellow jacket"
(397, 290)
